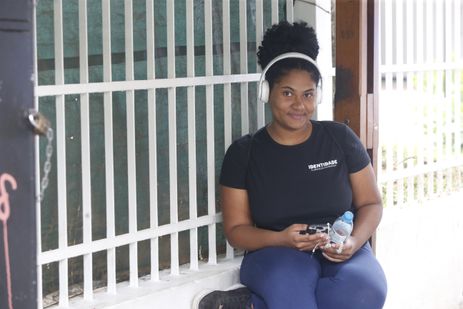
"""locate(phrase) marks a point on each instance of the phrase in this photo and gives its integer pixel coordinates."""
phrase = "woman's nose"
(299, 102)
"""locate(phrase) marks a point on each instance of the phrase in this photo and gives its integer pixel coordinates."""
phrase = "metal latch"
(40, 124)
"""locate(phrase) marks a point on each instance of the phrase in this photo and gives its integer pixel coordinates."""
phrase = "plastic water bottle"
(342, 228)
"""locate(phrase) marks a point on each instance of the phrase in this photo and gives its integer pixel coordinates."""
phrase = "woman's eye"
(287, 93)
(308, 95)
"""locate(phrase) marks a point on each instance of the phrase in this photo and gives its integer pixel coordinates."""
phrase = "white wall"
(421, 250)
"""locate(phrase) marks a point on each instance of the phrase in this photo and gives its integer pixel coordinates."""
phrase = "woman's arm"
(367, 201)
(241, 232)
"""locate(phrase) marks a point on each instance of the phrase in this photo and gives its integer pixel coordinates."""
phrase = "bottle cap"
(348, 216)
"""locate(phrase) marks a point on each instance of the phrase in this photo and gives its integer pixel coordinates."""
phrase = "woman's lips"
(297, 116)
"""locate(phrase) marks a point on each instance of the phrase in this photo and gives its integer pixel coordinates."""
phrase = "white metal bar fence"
(61, 152)
(227, 95)
(86, 88)
(153, 195)
(244, 64)
(86, 167)
(421, 71)
(193, 206)
(171, 93)
(210, 165)
(422, 74)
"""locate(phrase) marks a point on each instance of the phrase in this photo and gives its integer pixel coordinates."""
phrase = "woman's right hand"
(303, 242)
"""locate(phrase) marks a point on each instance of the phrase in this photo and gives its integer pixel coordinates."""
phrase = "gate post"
(357, 78)
(18, 253)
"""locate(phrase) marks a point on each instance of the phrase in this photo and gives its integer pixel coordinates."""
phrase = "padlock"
(40, 124)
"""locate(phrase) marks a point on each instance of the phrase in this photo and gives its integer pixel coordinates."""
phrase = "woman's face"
(293, 100)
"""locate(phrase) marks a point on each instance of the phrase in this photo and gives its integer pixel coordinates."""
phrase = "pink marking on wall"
(4, 215)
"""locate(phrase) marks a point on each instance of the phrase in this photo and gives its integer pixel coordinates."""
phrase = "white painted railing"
(420, 100)
(84, 88)
(420, 128)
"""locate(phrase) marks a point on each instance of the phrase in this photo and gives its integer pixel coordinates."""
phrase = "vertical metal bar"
(61, 152)
(439, 58)
(244, 67)
(153, 179)
(290, 10)
(192, 197)
(227, 110)
(259, 26)
(259, 34)
(85, 149)
(275, 13)
(38, 214)
(430, 82)
(210, 131)
(172, 118)
(411, 147)
(399, 87)
(109, 145)
(227, 71)
(419, 89)
(448, 91)
(458, 51)
(131, 151)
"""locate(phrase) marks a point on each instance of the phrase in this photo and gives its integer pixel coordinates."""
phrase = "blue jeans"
(280, 277)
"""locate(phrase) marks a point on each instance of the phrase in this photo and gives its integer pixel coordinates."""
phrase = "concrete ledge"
(170, 291)
(421, 250)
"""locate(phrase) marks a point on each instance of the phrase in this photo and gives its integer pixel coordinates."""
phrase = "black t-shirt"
(304, 183)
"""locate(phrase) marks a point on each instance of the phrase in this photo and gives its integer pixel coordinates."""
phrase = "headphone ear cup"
(264, 91)
(319, 94)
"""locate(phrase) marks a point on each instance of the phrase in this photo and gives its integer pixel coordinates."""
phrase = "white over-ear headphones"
(264, 87)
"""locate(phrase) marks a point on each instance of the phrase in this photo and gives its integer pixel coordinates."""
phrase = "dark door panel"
(18, 282)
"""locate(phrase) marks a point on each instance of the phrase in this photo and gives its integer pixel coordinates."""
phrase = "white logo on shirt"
(322, 165)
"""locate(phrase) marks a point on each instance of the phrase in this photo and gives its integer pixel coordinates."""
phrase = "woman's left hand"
(340, 252)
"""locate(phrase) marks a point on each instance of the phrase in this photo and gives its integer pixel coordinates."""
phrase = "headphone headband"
(263, 84)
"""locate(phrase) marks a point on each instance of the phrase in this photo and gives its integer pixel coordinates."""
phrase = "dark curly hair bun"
(286, 37)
